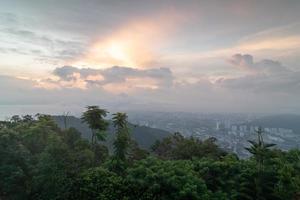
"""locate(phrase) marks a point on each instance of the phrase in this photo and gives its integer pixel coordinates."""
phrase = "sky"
(160, 55)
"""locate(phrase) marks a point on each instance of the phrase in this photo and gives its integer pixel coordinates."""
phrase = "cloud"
(8, 18)
(266, 66)
(262, 86)
(132, 78)
(242, 61)
(264, 81)
(41, 46)
(249, 93)
(266, 76)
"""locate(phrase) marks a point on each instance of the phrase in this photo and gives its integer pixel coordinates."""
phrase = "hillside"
(145, 136)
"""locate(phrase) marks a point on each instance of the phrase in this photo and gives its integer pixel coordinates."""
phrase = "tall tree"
(259, 149)
(260, 181)
(122, 142)
(94, 117)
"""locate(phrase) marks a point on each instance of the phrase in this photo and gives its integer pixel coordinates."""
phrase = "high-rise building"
(218, 125)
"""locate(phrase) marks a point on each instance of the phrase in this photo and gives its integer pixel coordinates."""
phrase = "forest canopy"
(39, 160)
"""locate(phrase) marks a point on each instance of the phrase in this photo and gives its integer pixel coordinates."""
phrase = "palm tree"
(94, 117)
(122, 142)
(120, 120)
(259, 149)
(261, 180)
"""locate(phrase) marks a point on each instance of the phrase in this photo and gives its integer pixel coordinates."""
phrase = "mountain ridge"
(143, 135)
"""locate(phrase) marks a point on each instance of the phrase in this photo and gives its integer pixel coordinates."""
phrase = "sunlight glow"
(134, 44)
(117, 51)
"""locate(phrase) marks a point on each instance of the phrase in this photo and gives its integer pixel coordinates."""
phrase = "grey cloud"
(286, 84)
(200, 96)
(244, 61)
(271, 66)
(65, 72)
(19, 51)
(116, 74)
(8, 18)
(267, 76)
(267, 66)
(16, 91)
(119, 74)
(53, 49)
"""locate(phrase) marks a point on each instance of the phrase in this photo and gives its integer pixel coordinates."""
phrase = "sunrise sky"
(194, 55)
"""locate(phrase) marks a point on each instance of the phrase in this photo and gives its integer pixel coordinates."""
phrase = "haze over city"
(195, 56)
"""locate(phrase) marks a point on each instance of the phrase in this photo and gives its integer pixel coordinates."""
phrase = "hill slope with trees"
(143, 135)
(40, 160)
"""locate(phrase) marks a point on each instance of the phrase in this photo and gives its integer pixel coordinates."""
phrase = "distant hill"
(145, 136)
(280, 121)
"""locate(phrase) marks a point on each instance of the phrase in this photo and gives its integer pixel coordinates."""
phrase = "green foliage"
(166, 180)
(98, 183)
(288, 168)
(178, 147)
(14, 166)
(221, 176)
(54, 172)
(94, 117)
(259, 181)
(259, 150)
(122, 142)
(38, 160)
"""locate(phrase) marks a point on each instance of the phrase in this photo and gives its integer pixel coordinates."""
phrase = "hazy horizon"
(195, 56)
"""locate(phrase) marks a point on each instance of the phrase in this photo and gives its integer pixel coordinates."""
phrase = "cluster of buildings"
(243, 129)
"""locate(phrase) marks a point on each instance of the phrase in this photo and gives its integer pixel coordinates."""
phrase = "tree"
(94, 117)
(14, 166)
(288, 173)
(54, 171)
(97, 183)
(180, 148)
(258, 183)
(259, 149)
(221, 176)
(27, 119)
(136, 153)
(38, 160)
(122, 142)
(65, 118)
(168, 180)
(15, 119)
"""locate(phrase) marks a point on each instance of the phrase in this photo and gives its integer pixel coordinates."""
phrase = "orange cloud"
(136, 43)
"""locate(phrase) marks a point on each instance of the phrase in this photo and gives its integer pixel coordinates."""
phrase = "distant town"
(232, 131)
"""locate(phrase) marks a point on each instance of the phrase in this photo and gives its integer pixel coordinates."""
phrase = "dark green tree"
(154, 179)
(15, 159)
(178, 147)
(27, 119)
(259, 150)
(122, 141)
(258, 182)
(98, 183)
(221, 176)
(94, 117)
(15, 119)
